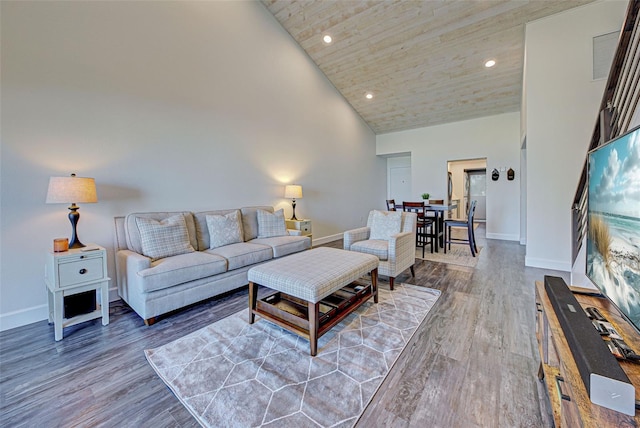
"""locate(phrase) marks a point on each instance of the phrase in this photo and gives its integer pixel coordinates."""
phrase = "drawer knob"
(83, 271)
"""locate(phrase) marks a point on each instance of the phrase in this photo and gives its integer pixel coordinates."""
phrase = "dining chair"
(424, 226)
(468, 223)
(391, 205)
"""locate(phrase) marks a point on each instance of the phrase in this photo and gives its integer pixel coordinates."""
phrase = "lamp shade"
(293, 191)
(71, 189)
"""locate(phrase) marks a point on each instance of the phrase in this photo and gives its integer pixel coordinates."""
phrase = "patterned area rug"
(235, 374)
(460, 255)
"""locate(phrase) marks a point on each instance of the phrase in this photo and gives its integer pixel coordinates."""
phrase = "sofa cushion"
(284, 245)
(170, 271)
(132, 232)
(250, 221)
(243, 254)
(202, 230)
(385, 224)
(271, 224)
(164, 238)
(376, 247)
(224, 229)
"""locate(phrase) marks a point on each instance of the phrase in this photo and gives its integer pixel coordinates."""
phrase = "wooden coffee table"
(313, 290)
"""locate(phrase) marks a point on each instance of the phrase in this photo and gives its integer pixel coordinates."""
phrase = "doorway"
(476, 189)
(399, 179)
(468, 182)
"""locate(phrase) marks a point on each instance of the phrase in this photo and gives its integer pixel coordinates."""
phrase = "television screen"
(613, 217)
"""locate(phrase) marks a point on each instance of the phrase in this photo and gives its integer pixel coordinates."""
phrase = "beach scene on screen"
(613, 244)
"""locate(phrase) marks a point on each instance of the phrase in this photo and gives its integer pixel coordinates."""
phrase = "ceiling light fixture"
(490, 63)
(327, 39)
(368, 95)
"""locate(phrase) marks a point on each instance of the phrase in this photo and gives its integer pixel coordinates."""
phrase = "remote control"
(612, 331)
(595, 314)
(600, 328)
(615, 350)
(626, 351)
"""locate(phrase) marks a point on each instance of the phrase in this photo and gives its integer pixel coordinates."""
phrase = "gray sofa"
(154, 287)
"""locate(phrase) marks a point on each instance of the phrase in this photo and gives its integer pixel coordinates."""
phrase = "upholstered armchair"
(389, 235)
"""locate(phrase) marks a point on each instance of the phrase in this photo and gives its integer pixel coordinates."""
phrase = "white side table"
(72, 272)
(303, 226)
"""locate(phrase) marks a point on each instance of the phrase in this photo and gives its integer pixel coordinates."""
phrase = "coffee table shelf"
(292, 313)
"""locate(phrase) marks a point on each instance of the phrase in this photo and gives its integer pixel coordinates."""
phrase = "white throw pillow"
(270, 225)
(224, 229)
(165, 238)
(385, 224)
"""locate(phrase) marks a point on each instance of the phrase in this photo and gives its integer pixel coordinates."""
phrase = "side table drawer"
(305, 227)
(81, 271)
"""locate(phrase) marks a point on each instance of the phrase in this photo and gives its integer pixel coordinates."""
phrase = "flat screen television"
(613, 221)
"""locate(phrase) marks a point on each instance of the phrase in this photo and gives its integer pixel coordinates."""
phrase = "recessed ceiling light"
(327, 39)
(368, 95)
(490, 63)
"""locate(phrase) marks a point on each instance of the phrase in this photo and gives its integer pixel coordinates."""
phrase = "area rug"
(234, 374)
(460, 255)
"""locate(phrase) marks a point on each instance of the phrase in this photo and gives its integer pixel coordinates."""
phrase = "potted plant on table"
(425, 196)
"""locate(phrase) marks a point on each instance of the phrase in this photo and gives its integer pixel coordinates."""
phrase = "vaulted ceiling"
(422, 60)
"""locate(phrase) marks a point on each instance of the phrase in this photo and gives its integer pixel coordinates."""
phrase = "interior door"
(400, 184)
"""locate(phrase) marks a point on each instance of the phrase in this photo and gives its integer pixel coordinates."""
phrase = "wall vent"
(604, 47)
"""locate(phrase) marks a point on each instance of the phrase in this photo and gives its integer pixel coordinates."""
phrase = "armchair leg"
(413, 272)
(391, 283)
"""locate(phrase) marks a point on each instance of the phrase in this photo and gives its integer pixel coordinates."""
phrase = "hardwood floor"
(473, 362)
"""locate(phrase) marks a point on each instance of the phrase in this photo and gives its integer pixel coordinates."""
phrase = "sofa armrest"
(132, 261)
(128, 264)
(352, 236)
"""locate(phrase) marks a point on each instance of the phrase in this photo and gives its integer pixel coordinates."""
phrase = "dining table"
(439, 210)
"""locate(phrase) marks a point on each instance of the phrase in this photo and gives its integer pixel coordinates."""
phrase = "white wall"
(170, 106)
(561, 109)
(494, 137)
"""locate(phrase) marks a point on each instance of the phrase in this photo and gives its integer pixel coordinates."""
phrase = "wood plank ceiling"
(423, 61)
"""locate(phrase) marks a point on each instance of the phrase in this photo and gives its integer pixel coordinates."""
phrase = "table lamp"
(71, 190)
(293, 192)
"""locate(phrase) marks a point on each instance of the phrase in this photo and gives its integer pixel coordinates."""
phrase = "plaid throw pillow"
(385, 224)
(224, 229)
(166, 238)
(270, 225)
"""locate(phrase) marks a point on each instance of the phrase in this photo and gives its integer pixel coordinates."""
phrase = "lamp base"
(76, 244)
(293, 204)
(74, 217)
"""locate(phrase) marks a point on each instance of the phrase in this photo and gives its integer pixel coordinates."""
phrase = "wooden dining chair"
(391, 205)
(468, 224)
(424, 227)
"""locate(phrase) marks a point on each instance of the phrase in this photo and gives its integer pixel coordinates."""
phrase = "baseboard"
(327, 239)
(24, 317)
(503, 236)
(547, 264)
(36, 313)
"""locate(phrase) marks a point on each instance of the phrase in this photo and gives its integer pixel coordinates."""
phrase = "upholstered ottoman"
(314, 290)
